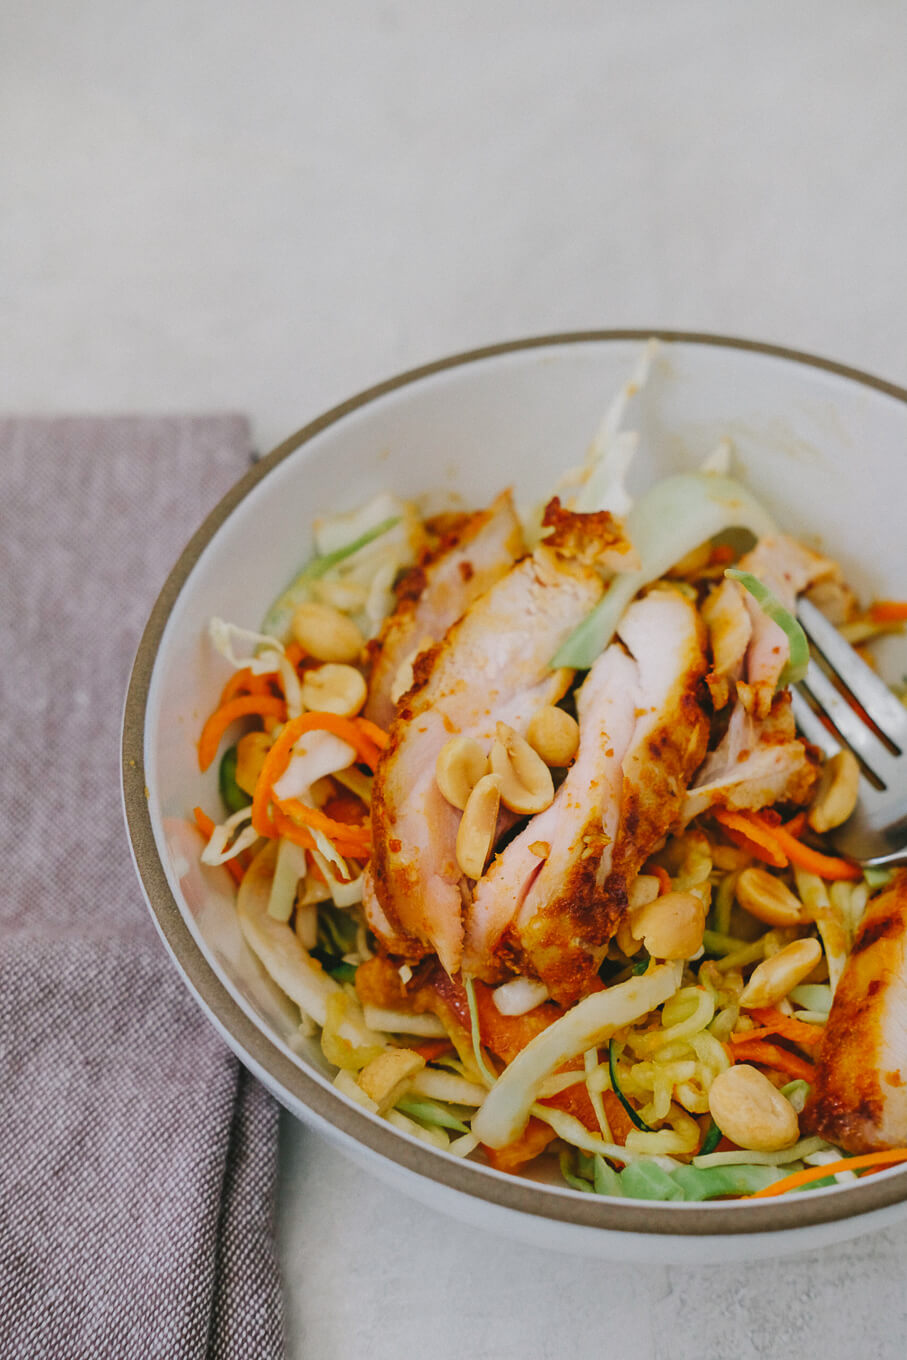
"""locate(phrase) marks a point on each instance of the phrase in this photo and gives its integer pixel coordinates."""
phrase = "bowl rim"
(291, 1081)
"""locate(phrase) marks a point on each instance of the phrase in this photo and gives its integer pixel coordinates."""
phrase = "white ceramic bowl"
(822, 445)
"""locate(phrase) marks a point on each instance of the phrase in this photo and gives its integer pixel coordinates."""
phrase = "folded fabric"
(137, 1177)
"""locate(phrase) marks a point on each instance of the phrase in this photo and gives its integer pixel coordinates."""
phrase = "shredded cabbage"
(344, 891)
(383, 536)
(347, 1040)
(315, 755)
(507, 1108)
(276, 944)
(675, 516)
(289, 868)
(612, 450)
(519, 995)
(221, 845)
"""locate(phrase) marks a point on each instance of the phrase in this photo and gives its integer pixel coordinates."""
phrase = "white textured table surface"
(269, 206)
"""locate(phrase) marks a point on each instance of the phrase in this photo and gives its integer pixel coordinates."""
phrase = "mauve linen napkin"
(138, 1160)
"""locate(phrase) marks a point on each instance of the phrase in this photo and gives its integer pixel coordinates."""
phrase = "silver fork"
(876, 833)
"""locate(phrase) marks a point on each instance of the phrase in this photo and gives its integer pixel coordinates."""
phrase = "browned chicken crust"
(859, 1096)
(473, 553)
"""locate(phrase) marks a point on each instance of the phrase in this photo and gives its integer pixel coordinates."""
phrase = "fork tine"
(883, 707)
(862, 741)
(811, 725)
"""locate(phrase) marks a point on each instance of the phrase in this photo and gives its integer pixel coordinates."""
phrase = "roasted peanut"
(671, 926)
(251, 751)
(836, 796)
(772, 979)
(475, 836)
(334, 688)
(752, 1112)
(643, 890)
(626, 941)
(460, 765)
(767, 898)
(325, 633)
(553, 735)
(525, 780)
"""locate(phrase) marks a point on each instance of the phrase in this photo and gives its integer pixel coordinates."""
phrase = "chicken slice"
(859, 1095)
(437, 593)
(730, 628)
(492, 666)
(664, 634)
(642, 733)
(788, 569)
(758, 762)
(556, 857)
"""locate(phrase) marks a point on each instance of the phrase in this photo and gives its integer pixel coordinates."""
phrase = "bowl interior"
(821, 449)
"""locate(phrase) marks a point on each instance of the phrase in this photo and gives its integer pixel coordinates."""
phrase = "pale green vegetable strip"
(447, 1086)
(487, 1076)
(797, 1152)
(278, 618)
(832, 929)
(435, 1137)
(798, 660)
(574, 1132)
(675, 516)
(289, 868)
(607, 1180)
(430, 1112)
(277, 945)
(586, 1025)
(403, 1022)
(813, 996)
(796, 1092)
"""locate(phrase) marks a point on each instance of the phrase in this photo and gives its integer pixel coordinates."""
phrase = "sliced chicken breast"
(439, 592)
(553, 865)
(642, 733)
(758, 762)
(493, 665)
(788, 569)
(859, 1096)
(730, 628)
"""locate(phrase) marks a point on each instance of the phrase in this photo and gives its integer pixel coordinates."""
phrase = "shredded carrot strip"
(278, 757)
(294, 654)
(818, 1173)
(244, 682)
(285, 826)
(825, 866)
(373, 732)
(888, 611)
(247, 705)
(779, 847)
(721, 554)
(772, 1055)
(796, 825)
(664, 879)
(756, 839)
(346, 808)
(788, 1025)
(431, 1048)
(206, 826)
(786, 1028)
(360, 836)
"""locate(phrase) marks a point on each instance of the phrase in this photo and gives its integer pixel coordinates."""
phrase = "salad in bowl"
(519, 819)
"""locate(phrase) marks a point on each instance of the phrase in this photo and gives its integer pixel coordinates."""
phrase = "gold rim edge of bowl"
(245, 1036)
